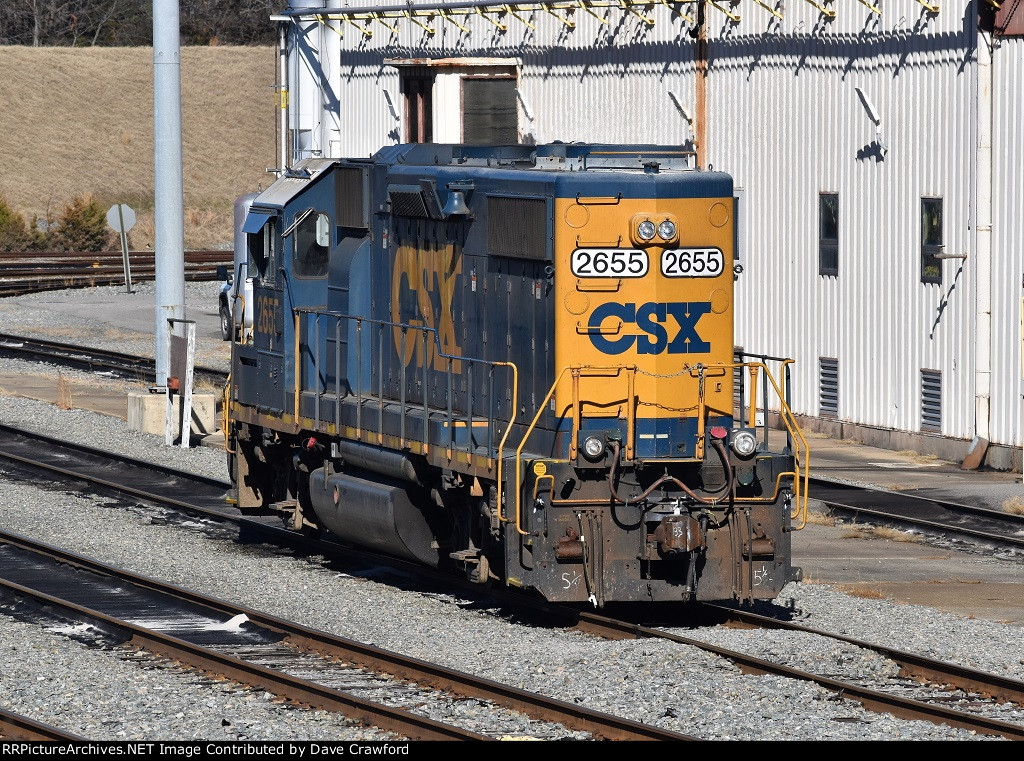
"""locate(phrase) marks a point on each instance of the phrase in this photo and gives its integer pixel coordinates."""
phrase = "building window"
(931, 240)
(739, 230)
(417, 92)
(828, 234)
(490, 114)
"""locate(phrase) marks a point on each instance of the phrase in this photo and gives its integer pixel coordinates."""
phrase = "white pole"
(983, 258)
(169, 217)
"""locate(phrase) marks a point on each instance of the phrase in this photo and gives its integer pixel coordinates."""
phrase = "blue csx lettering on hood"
(652, 319)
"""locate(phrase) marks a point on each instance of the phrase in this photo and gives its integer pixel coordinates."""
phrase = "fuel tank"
(378, 514)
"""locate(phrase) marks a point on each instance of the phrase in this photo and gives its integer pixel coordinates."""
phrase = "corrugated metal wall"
(1008, 233)
(785, 119)
(804, 131)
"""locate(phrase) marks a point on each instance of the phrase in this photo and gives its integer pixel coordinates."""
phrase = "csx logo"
(653, 319)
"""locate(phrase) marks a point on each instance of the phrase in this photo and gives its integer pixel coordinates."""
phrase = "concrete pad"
(62, 391)
(147, 413)
(973, 585)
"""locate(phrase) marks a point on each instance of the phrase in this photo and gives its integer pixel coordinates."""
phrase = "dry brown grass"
(880, 532)
(921, 457)
(80, 120)
(865, 592)
(820, 519)
(64, 400)
(1014, 505)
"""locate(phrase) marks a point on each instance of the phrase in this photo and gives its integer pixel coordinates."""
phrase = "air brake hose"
(715, 496)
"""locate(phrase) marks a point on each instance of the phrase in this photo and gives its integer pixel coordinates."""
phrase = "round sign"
(127, 214)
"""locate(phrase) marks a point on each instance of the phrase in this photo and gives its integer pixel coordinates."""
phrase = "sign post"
(121, 217)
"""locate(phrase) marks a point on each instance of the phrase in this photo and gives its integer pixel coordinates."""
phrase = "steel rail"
(898, 508)
(100, 454)
(92, 358)
(14, 726)
(301, 691)
(911, 665)
(873, 700)
(373, 658)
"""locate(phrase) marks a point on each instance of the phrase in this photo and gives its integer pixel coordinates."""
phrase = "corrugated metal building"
(876, 146)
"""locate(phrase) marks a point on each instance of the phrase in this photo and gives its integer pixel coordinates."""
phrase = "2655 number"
(609, 262)
(692, 262)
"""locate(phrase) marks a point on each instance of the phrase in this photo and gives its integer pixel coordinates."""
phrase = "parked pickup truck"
(236, 290)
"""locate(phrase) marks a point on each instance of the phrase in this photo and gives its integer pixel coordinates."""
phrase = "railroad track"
(34, 271)
(263, 651)
(14, 726)
(91, 359)
(905, 509)
(979, 687)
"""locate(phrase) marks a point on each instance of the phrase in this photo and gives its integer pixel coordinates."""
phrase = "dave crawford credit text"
(189, 749)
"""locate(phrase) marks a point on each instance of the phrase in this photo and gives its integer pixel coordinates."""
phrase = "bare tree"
(130, 22)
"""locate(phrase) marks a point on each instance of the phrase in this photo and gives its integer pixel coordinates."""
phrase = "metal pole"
(124, 249)
(283, 95)
(170, 226)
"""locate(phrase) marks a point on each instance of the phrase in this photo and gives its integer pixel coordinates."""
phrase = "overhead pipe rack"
(496, 12)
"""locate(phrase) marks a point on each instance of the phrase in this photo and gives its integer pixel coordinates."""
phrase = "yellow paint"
(663, 386)
(429, 269)
(539, 469)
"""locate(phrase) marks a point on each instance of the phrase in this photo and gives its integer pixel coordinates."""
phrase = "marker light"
(667, 230)
(645, 230)
(744, 443)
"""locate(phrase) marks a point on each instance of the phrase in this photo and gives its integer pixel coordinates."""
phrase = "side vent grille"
(828, 386)
(407, 201)
(738, 385)
(350, 194)
(931, 401)
(518, 227)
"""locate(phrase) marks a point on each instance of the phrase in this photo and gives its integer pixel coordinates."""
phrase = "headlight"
(645, 230)
(593, 447)
(744, 443)
(667, 230)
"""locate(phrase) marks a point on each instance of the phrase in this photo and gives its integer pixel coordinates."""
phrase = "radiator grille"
(517, 227)
(828, 387)
(931, 400)
(350, 197)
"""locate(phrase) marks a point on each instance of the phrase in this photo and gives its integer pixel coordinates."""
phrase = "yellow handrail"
(519, 451)
(508, 429)
(801, 455)
(802, 462)
(577, 371)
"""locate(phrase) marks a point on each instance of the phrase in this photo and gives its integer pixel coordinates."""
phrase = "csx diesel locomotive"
(516, 362)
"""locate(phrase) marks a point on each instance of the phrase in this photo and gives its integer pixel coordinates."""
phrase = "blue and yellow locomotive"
(516, 362)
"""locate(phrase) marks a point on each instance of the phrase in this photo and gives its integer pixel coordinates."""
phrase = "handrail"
(577, 371)
(801, 454)
(383, 326)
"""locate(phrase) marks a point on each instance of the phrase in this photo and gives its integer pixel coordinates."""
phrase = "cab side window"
(312, 246)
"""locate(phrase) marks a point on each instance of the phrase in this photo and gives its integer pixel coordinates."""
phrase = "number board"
(692, 262)
(609, 262)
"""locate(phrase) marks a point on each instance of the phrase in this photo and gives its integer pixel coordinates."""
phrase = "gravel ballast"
(672, 686)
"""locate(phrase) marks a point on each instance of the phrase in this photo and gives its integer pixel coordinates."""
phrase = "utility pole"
(170, 225)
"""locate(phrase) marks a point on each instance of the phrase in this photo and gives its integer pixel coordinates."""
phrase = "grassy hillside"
(79, 121)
